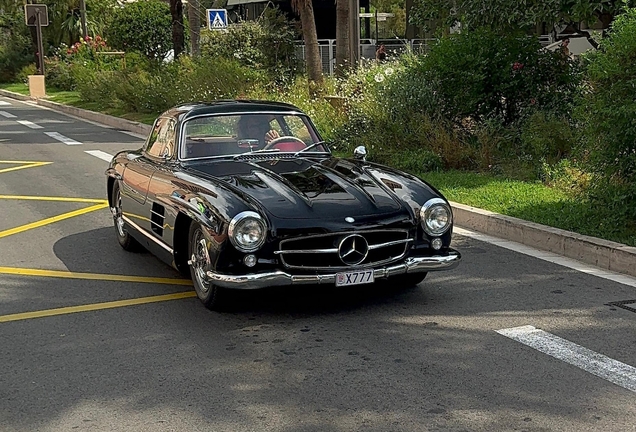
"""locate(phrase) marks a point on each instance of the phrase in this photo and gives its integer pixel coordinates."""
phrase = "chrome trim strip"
(391, 243)
(143, 232)
(281, 278)
(158, 214)
(346, 233)
(306, 251)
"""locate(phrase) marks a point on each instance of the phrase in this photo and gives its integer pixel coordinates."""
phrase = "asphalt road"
(85, 346)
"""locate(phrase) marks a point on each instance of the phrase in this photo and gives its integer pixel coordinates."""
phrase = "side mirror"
(360, 153)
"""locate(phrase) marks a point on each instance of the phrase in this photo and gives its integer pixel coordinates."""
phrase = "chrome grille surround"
(322, 251)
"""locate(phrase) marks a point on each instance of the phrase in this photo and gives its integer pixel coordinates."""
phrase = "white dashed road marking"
(597, 364)
(4, 103)
(6, 114)
(62, 138)
(29, 124)
(100, 154)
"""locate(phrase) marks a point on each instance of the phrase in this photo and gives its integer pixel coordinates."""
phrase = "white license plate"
(354, 277)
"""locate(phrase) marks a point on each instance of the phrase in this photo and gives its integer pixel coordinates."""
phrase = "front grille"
(320, 252)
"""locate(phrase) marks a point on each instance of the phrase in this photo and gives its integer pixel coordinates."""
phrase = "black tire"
(199, 262)
(126, 241)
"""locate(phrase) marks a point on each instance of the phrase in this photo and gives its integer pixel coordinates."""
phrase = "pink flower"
(517, 66)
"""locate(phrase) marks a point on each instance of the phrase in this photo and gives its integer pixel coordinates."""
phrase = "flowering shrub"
(481, 75)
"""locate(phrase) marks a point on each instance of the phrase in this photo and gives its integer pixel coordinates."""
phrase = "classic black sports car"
(245, 194)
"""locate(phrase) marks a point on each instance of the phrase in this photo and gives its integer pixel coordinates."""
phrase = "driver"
(256, 127)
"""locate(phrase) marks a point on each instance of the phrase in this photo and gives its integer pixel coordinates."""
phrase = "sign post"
(217, 19)
(37, 15)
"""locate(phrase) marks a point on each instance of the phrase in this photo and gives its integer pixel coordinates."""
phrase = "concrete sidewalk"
(604, 254)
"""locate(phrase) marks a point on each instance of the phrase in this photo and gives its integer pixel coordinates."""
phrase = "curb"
(605, 254)
(105, 119)
(601, 253)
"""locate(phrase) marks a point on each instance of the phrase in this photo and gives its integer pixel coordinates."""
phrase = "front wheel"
(199, 264)
(126, 241)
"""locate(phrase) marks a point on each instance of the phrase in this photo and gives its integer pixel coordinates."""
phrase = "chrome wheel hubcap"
(117, 215)
(200, 261)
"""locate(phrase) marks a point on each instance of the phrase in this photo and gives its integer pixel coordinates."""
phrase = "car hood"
(306, 189)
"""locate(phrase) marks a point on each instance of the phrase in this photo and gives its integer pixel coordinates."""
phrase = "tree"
(194, 20)
(506, 15)
(178, 33)
(342, 36)
(142, 26)
(305, 9)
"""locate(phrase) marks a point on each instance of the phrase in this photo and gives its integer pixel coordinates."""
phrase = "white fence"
(368, 47)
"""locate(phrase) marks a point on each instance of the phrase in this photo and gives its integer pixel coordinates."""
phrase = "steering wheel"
(293, 141)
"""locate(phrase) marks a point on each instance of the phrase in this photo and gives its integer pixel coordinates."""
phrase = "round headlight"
(247, 231)
(436, 216)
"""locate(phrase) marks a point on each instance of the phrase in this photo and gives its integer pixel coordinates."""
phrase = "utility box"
(37, 88)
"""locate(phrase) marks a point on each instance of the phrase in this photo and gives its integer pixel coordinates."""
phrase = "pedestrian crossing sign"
(217, 19)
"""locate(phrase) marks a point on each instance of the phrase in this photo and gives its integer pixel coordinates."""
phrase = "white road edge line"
(132, 134)
(62, 138)
(597, 364)
(7, 114)
(99, 154)
(29, 124)
(549, 257)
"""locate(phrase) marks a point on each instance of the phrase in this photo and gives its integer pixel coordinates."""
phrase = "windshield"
(236, 134)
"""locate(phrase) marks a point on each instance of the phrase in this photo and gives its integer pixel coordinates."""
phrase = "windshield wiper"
(247, 154)
(309, 147)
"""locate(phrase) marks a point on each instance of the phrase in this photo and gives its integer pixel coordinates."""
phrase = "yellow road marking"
(92, 276)
(51, 220)
(60, 199)
(95, 306)
(28, 165)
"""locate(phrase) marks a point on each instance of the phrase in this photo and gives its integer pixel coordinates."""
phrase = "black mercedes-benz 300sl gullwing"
(242, 194)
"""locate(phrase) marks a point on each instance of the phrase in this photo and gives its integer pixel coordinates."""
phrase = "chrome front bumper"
(281, 278)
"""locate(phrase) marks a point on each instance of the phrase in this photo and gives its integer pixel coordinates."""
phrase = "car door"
(138, 172)
(161, 187)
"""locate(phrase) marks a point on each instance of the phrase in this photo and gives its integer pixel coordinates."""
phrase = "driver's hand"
(271, 135)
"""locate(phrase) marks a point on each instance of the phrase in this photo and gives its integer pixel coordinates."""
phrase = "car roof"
(188, 110)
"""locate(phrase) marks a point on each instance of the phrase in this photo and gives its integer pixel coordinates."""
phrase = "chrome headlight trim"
(429, 210)
(239, 222)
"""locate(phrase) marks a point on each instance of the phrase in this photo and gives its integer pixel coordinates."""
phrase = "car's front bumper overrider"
(280, 278)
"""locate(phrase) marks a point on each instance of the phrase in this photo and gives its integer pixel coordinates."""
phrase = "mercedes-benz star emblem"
(353, 249)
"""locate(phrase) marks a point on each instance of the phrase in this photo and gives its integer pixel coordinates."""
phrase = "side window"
(163, 135)
(152, 146)
(170, 138)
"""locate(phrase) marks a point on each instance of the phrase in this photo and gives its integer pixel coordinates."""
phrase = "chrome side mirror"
(360, 153)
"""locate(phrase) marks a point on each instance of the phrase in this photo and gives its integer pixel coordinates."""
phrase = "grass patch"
(530, 201)
(16, 88)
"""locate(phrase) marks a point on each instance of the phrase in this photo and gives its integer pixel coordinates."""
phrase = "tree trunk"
(342, 37)
(195, 26)
(312, 53)
(178, 35)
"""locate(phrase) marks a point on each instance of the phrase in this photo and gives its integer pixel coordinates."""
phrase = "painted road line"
(597, 364)
(27, 165)
(549, 257)
(51, 220)
(95, 306)
(59, 199)
(29, 124)
(17, 271)
(62, 138)
(132, 134)
(7, 115)
(4, 103)
(100, 154)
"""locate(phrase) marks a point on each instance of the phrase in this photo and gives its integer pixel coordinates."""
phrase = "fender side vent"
(156, 218)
